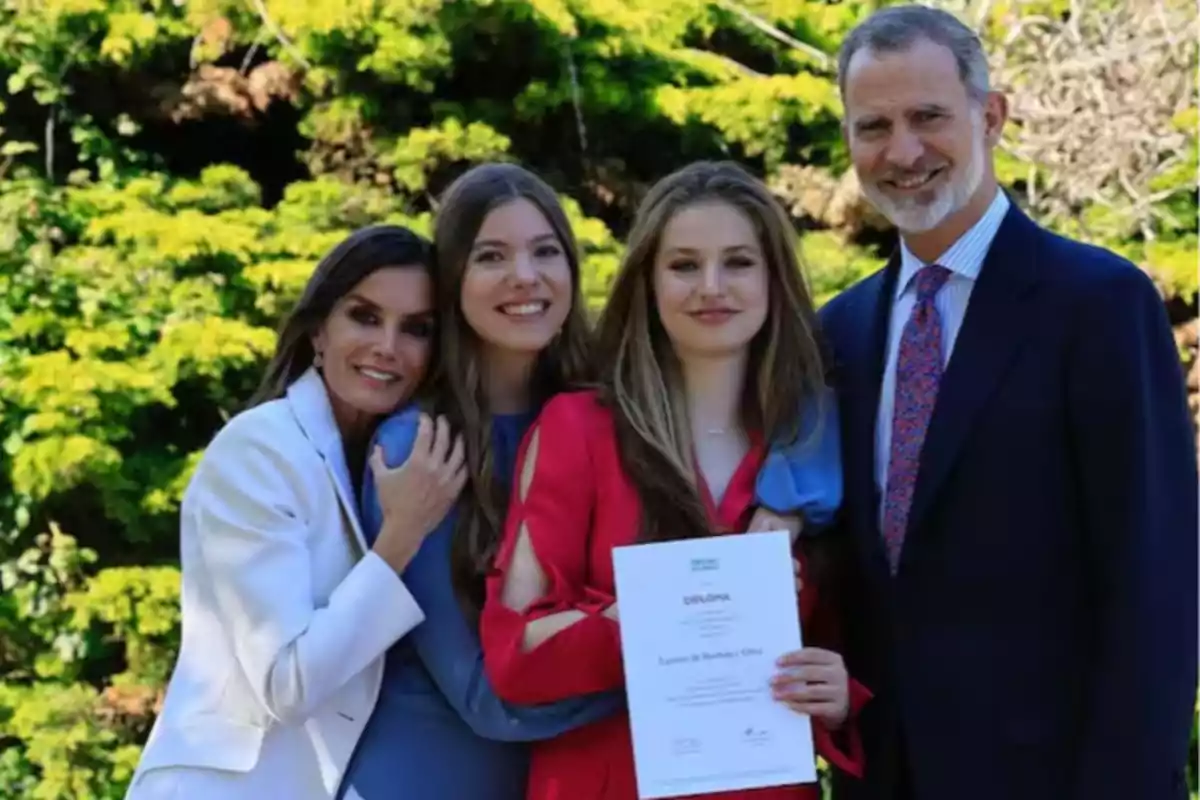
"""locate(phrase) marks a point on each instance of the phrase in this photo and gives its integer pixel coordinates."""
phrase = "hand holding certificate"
(702, 624)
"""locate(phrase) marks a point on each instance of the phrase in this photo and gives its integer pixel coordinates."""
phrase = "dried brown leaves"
(1095, 100)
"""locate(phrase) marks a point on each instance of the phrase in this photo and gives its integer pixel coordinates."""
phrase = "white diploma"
(702, 622)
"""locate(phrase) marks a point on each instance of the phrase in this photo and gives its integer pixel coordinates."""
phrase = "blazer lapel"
(987, 344)
(310, 403)
(864, 378)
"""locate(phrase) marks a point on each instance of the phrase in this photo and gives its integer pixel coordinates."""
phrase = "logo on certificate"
(756, 736)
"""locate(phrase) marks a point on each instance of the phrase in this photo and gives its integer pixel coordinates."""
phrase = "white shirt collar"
(965, 257)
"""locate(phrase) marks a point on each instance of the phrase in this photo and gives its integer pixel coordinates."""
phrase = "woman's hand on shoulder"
(417, 495)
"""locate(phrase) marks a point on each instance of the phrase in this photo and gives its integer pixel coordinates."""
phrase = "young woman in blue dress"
(512, 333)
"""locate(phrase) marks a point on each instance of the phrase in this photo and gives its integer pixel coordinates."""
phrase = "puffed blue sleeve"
(397, 434)
(447, 643)
(805, 477)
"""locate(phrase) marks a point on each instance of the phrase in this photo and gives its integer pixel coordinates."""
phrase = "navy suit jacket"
(1039, 640)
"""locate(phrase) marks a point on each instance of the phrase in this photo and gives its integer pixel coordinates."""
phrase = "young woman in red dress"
(707, 348)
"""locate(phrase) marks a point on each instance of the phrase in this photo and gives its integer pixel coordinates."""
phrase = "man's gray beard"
(914, 217)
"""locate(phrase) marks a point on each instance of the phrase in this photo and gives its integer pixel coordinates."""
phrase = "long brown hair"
(460, 393)
(345, 266)
(640, 373)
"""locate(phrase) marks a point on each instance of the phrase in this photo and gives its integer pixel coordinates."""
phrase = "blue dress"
(438, 730)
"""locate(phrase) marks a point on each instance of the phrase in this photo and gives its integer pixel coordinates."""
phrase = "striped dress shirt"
(964, 259)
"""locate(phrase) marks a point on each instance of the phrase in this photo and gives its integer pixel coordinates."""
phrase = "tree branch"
(1093, 102)
(775, 33)
(261, 7)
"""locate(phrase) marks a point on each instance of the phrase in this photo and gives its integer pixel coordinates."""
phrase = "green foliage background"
(169, 174)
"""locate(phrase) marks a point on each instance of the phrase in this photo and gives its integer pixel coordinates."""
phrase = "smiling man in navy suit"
(1021, 483)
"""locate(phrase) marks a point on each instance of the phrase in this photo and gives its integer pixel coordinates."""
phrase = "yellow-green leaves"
(208, 347)
(757, 113)
(128, 33)
(424, 149)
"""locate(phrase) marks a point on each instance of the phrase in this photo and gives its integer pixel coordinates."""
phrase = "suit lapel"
(336, 464)
(310, 404)
(988, 342)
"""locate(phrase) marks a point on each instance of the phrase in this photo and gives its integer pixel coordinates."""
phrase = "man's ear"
(995, 115)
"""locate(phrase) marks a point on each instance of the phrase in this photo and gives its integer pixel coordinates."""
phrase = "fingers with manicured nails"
(813, 681)
(458, 478)
(808, 655)
(378, 467)
(806, 676)
(807, 692)
(441, 441)
(458, 456)
(803, 674)
(424, 438)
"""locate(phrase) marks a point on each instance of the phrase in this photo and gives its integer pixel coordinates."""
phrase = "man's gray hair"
(897, 28)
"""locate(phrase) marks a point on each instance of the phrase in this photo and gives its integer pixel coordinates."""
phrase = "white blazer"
(286, 615)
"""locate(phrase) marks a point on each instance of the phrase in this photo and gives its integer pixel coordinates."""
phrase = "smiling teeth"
(912, 183)
(376, 374)
(523, 309)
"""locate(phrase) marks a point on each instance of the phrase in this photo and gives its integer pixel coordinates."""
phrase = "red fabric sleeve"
(841, 748)
(556, 511)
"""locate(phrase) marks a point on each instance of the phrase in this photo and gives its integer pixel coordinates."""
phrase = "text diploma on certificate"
(702, 622)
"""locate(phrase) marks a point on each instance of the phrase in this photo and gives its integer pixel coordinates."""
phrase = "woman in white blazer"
(286, 613)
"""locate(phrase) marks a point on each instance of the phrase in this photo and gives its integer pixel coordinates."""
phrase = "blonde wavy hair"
(640, 372)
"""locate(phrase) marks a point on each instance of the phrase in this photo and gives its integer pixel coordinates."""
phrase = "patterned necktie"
(918, 373)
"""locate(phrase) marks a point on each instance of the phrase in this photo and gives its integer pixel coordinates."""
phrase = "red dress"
(578, 506)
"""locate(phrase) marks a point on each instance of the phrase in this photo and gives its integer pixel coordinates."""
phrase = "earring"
(317, 360)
